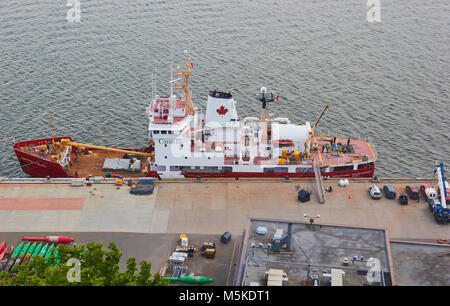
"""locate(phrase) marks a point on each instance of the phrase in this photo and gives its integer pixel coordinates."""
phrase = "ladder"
(320, 190)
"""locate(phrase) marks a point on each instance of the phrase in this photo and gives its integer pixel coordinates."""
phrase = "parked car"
(403, 199)
(374, 192)
(226, 237)
(389, 191)
(413, 192)
(303, 195)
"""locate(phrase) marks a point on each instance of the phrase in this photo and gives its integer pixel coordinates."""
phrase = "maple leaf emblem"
(222, 110)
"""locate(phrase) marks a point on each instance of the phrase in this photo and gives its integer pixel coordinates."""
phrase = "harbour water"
(386, 80)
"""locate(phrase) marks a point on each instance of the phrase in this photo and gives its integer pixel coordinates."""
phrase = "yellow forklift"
(209, 249)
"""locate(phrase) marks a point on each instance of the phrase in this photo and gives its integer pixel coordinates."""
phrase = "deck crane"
(311, 134)
(316, 164)
(67, 143)
(440, 211)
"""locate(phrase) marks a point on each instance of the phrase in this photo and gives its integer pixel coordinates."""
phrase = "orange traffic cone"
(349, 196)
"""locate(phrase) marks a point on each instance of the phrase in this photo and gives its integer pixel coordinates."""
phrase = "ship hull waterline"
(40, 167)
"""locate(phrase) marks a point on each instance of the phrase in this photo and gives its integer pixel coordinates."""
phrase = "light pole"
(311, 219)
(269, 246)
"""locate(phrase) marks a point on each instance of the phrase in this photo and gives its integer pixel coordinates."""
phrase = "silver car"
(375, 192)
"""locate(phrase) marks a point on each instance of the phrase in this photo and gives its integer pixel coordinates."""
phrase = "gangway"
(320, 189)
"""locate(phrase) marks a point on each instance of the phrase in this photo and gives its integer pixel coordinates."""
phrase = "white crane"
(442, 183)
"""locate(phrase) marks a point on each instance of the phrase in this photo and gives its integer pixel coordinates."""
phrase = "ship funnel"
(220, 110)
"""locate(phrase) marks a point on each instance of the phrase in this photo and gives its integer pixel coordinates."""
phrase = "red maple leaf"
(222, 110)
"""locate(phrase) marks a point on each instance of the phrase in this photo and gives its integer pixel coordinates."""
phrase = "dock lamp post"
(311, 219)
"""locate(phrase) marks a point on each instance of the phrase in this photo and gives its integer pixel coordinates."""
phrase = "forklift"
(209, 249)
(209, 253)
(208, 245)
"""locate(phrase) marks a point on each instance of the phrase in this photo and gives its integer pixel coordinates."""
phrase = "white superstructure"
(190, 143)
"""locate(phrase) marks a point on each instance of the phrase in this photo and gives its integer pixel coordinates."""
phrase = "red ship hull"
(36, 166)
(42, 167)
(360, 173)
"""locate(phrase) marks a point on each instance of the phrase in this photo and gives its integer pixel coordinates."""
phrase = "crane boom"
(311, 134)
(67, 142)
(318, 118)
(441, 182)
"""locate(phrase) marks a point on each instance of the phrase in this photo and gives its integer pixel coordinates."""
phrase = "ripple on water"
(387, 81)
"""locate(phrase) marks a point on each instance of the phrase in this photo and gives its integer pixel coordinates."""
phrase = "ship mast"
(263, 98)
(190, 110)
(53, 130)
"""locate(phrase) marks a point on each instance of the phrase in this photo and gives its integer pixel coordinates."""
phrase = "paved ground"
(156, 248)
(147, 227)
(212, 208)
(105, 208)
(418, 264)
(221, 268)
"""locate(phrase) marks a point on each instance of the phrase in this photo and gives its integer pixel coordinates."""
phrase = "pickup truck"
(428, 192)
(374, 192)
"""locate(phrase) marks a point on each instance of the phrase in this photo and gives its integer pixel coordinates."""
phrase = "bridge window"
(211, 168)
(304, 170)
(280, 169)
(366, 165)
(343, 168)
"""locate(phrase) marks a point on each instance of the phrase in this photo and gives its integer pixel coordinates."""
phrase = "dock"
(106, 212)
(208, 206)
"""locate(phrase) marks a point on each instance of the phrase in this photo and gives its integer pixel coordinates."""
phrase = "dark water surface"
(388, 81)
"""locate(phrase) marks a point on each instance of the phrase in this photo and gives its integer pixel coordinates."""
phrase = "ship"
(186, 142)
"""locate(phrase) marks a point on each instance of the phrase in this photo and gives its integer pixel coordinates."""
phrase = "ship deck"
(92, 164)
(81, 165)
(362, 151)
